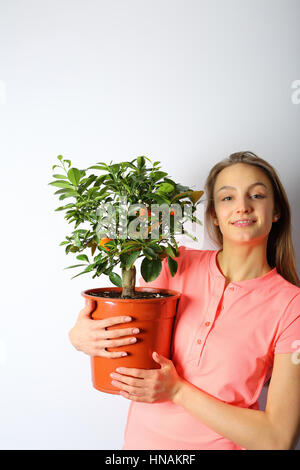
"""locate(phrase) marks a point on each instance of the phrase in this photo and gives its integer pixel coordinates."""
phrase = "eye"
(254, 195)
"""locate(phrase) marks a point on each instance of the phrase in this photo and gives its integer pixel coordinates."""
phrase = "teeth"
(243, 222)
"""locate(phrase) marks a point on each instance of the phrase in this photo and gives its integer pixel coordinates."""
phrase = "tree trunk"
(128, 282)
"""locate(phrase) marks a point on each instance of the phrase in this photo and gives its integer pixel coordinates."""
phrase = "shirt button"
(207, 323)
(231, 288)
(222, 308)
(199, 341)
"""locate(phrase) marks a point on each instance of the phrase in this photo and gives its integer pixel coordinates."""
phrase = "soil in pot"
(137, 295)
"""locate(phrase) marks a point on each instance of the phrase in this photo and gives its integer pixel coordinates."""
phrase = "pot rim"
(174, 294)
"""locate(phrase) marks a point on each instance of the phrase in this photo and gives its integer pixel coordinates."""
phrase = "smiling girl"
(237, 327)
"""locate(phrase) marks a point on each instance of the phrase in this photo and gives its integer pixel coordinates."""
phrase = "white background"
(185, 82)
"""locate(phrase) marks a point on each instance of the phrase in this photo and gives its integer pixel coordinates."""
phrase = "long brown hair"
(280, 251)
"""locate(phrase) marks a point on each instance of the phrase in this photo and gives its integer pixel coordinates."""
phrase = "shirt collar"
(266, 279)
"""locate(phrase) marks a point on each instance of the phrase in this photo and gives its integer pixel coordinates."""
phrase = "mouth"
(244, 222)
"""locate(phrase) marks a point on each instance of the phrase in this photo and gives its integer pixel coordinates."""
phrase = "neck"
(242, 262)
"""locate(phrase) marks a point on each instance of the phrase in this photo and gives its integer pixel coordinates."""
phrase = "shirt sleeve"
(288, 334)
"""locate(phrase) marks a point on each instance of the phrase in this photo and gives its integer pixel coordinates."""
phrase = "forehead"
(241, 175)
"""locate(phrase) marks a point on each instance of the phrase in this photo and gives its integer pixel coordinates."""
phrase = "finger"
(132, 397)
(114, 354)
(88, 308)
(116, 343)
(127, 380)
(128, 388)
(160, 359)
(106, 322)
(112, 334)
(139, 373)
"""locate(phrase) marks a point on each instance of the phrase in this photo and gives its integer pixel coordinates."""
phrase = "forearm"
(247, 428)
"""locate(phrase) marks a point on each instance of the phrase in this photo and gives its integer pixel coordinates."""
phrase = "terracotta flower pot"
(154, 317)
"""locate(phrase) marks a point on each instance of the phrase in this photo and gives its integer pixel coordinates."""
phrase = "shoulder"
(187, 252)
(289, 321)
(289, 293)
(190, 259)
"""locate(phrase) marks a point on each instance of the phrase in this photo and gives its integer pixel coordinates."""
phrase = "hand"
(91, 336)
(154, 385)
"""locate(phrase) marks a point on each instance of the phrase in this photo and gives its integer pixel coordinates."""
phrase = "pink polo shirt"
(224, 343)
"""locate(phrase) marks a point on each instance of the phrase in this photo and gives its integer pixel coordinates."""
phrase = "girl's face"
(237, 195)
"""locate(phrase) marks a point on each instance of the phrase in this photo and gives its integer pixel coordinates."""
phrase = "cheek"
(223, 213)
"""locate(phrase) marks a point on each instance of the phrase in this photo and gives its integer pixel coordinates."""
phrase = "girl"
(237, 327)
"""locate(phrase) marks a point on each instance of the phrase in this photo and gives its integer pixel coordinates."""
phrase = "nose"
(243, 206)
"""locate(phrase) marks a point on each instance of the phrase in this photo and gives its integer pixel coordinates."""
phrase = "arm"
(275, 428)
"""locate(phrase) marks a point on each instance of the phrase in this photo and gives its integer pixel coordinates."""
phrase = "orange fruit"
(142, 213)
(103, 241)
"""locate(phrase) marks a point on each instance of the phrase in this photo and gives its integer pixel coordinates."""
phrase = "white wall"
(185, 82)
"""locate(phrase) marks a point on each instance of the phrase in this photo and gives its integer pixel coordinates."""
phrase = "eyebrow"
(251, 186)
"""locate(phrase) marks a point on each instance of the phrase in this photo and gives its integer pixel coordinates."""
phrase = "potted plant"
(131, 212)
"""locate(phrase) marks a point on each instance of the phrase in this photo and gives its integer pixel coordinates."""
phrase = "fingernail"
(133, 340)
(124, 354)
(128, 318)
(135, 330)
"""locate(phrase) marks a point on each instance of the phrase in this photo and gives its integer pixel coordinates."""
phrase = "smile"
(244, 223)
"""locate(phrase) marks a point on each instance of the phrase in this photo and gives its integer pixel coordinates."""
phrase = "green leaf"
(160, 198)
(101, 267)
(115, 279)
(68, 248)
(61, 184)
(128, 259)
(61, 191)
(115, 168)
(73, 249)
(140, 162)
(98, 167)
(158, 175)
(173, 265)
(61, 208)
(77, 241)
(65, 207)
(98, 258)
(60, 157)
(74, 176)
(87, 269)
(82, 258)
(150, 270)
(149, 253)
(68, 194)
(156, 248)
(166, 188)
(170, 251)
(74, 266)
(60, 177)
